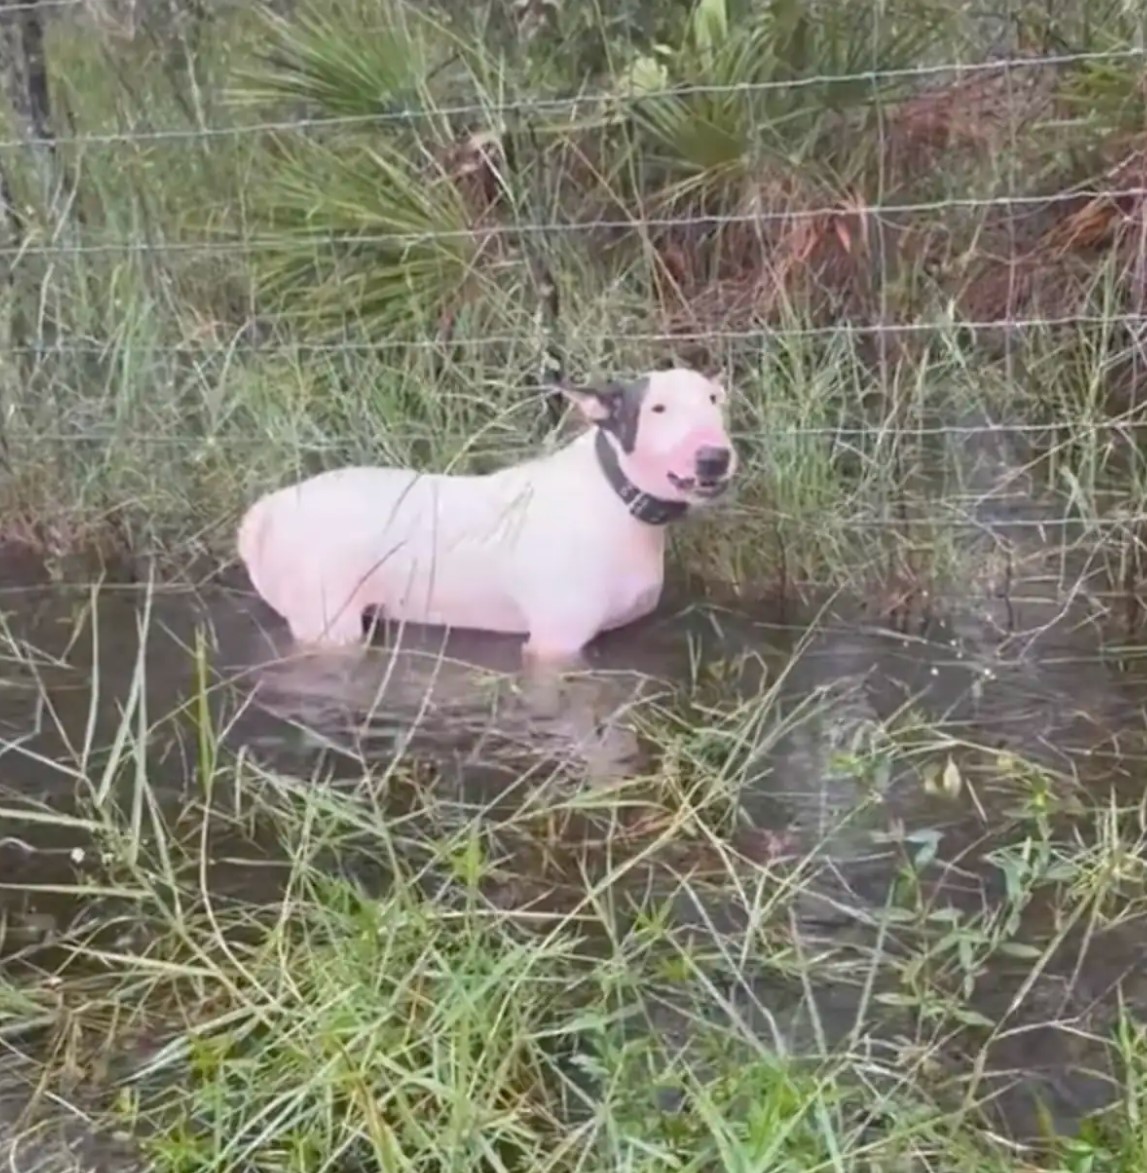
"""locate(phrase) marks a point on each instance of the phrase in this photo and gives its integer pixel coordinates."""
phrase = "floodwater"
(1025, 669)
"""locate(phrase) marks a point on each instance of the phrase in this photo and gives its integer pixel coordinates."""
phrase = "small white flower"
(77, 855)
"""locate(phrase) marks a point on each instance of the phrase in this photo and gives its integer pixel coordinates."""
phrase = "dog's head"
(668, 429)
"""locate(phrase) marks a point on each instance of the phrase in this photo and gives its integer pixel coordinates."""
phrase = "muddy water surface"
(1025, 675)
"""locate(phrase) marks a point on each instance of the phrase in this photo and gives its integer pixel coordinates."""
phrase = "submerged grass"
(253, 969)
(260, 969)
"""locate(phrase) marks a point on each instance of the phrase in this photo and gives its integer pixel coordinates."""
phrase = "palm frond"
(348, 58)
(364, 239)
(748, 84)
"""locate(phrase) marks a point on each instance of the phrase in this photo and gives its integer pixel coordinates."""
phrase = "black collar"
(651, 510)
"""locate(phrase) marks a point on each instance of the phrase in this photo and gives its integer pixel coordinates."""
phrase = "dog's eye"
(713, 399)
(658, 407)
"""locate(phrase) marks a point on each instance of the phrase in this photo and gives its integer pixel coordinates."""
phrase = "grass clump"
(268, 968)
(283, 241)
(379, 1030)
(278, 242)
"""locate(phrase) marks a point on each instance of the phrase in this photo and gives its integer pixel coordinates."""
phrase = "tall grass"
(204, 344)
(253, 970)
(263, 971)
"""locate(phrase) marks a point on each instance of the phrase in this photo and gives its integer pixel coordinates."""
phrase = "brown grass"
(830, 258)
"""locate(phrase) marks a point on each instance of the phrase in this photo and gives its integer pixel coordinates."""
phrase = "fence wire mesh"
(240, 245)
(839, 860)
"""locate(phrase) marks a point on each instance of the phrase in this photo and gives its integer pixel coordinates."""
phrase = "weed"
(266, 970)
(805, 932)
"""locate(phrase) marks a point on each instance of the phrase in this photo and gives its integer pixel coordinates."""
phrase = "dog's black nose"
(712, 463)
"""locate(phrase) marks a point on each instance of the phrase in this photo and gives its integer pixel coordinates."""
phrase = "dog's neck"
(643, 507)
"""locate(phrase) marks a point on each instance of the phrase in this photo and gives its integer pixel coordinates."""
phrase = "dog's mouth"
(701, 487)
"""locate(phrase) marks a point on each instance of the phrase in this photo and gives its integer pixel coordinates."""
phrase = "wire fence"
(571, 106)
(958, 267)
(761, 333)
(550, 228)
(937, 361)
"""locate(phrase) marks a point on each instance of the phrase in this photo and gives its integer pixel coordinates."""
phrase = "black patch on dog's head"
(624, 401)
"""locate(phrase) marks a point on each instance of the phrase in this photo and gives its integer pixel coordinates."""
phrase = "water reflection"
(858, 721)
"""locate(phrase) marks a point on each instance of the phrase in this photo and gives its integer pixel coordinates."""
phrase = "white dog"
(558, 549)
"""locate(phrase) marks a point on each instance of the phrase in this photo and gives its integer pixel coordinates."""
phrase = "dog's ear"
(597, 404)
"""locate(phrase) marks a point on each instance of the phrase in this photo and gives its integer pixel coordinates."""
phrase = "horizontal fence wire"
(579, 104)
(843, 432)
(780, 431)
(1075, 194)
(757, 333)
(220, 341)
(22, 6)
(1048, 528)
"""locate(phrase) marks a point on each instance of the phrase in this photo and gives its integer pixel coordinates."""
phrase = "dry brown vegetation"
(798, 249)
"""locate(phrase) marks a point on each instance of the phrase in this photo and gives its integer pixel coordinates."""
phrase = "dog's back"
(425, 547)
